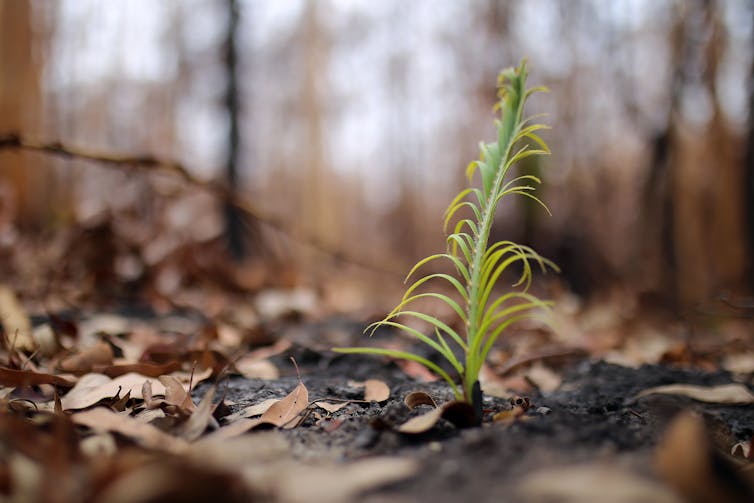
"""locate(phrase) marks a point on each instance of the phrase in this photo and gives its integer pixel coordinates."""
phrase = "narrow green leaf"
(403, 355)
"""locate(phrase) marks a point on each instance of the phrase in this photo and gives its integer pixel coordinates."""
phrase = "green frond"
(539, 141)
(425, 339)
(489, 284)
(526, 194)
(447, 277)
(531, 128)
(440, 325)
(458, 367)
(530, 119)
(463, 204)
(521, 178)
(462, 241)
(468, 223)
(403, 355)
(494, 313)
(526, 151)
(423, 262)
(537, 89)
(444, 298)
(471, 169)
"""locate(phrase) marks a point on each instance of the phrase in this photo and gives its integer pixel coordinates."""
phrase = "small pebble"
(543, 410)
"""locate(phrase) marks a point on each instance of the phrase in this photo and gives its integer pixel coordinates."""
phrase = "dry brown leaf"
(238, 427)
(543, 377)
(331, 406)
(376, 391)
(102, 419)
(17, 378)
(201, 417)
(743, 450)
(494, 385)
(422, 423)
(739, 363)
(145, 369)
(252, 410)
(99, 354)
(734, 394)
(15, 321)
(92, 388)
(150, 402)
(265, 352)
(339, 483)
(284, 412)
(416, 398)
(193, 377)
(149, 415)
(686, 459)
(254, 368)
(268, 467)
(98, 445)
(592, 483)
(176, 394)
(461, 414)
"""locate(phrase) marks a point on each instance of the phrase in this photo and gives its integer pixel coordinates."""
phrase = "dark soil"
(593, 416)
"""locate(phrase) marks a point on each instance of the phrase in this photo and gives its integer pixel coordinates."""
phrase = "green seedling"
(478, 265)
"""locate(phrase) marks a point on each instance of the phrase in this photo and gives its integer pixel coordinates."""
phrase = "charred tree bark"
(748, 185)
(233, 217)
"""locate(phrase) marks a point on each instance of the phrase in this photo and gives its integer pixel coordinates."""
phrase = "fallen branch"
(14, 141)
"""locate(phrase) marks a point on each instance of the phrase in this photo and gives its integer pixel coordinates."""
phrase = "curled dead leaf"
(331, 406)
(591, 483)
(284, 412)
(176, 394)
(254, 368)
(252, 410)
(145, 369)
(416, 398)
(92, 388)
(238, 427)
(733, 394)
(376, 391)
(200, 418)
(687, 460)
(743, 450)
(102, 419)
(460, 414)
(17, 378)
(99, 354)
(15, 321)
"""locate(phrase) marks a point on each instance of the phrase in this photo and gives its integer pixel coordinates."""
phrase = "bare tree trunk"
(233, 218)
(25, 188)
(748, 185)
(318, 198)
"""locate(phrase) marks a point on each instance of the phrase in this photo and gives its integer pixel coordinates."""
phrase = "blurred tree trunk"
(694, 206)
(319, 200)
(748, 187)
(233, 218)
(20, 105)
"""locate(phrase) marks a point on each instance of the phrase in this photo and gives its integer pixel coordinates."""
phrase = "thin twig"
(14, 141)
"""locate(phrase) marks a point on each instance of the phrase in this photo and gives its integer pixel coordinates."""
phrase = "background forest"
(347, 124)
(203, 203)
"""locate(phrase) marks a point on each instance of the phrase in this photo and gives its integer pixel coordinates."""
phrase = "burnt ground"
(592, 419)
